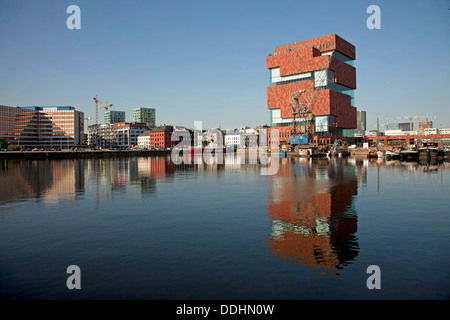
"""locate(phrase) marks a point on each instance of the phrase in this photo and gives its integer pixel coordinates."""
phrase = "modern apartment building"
(122, 134)
(113, 116)
(42, 126)
(145, 115)
(234, 139)
(126, 134)
(161, 137)
(406, 126)
(143, 140)
(101, 135)
(319, 70)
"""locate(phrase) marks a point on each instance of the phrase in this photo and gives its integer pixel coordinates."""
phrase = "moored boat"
(390, 154)
(447, 152)
(428, 153)
(409, 155)
(372, 154)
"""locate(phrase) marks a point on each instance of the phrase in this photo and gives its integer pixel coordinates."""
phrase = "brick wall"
(306, 57)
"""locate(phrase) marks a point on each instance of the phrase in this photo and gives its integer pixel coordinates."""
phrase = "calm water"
(145, 228)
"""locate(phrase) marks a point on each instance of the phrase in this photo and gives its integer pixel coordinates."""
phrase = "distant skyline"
(206, 59)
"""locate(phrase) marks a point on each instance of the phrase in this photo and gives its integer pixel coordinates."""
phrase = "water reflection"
(320, 212)
(312, 209)
(53, 181)
(56, 180)
(298, 179)
(48, 181)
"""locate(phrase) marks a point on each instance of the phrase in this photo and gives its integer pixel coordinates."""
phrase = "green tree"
(3, 143)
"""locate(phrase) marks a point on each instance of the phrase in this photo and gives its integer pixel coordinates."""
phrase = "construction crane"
(87, 121)
(411, 119)
(106, 106)
(303, 101)
(377, 125)
(96, 108)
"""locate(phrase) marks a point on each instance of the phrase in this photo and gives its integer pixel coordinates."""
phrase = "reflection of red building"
(313, 222)
(160, 167)
(307, 66)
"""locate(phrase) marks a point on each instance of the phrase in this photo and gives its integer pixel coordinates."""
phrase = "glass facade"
(277, 121)
(275, 79)
(323, 80)
(341, 57)
(112, 116)
(145, 115)
(325, 123)
(42, 126)
(342, 89)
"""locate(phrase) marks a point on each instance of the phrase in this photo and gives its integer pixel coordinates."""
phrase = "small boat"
(447, 152)
(380, 154)
(390, 154)
(372, 154)
(409, 155)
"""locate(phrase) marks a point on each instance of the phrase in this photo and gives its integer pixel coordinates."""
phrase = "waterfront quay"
(106, 153)
(399, 141)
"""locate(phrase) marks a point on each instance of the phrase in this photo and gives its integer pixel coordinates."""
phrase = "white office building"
(234, 139)
(126, 134)
(143, 140)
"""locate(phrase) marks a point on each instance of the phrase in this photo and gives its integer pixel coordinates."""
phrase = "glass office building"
(42, 126)
(112, 116)
(145, 115)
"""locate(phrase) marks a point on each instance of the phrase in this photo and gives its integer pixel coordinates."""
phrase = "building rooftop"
(322, 44)
(164, 127)
(146, 133)
(41, 108)
(145, 108)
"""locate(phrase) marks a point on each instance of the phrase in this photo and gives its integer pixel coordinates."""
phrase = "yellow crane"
(96, 108)
(106, 106)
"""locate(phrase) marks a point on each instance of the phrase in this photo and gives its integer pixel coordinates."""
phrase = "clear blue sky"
(206, 59)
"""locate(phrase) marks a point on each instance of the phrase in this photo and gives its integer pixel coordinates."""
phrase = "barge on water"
(428, 153)
(409, 155)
